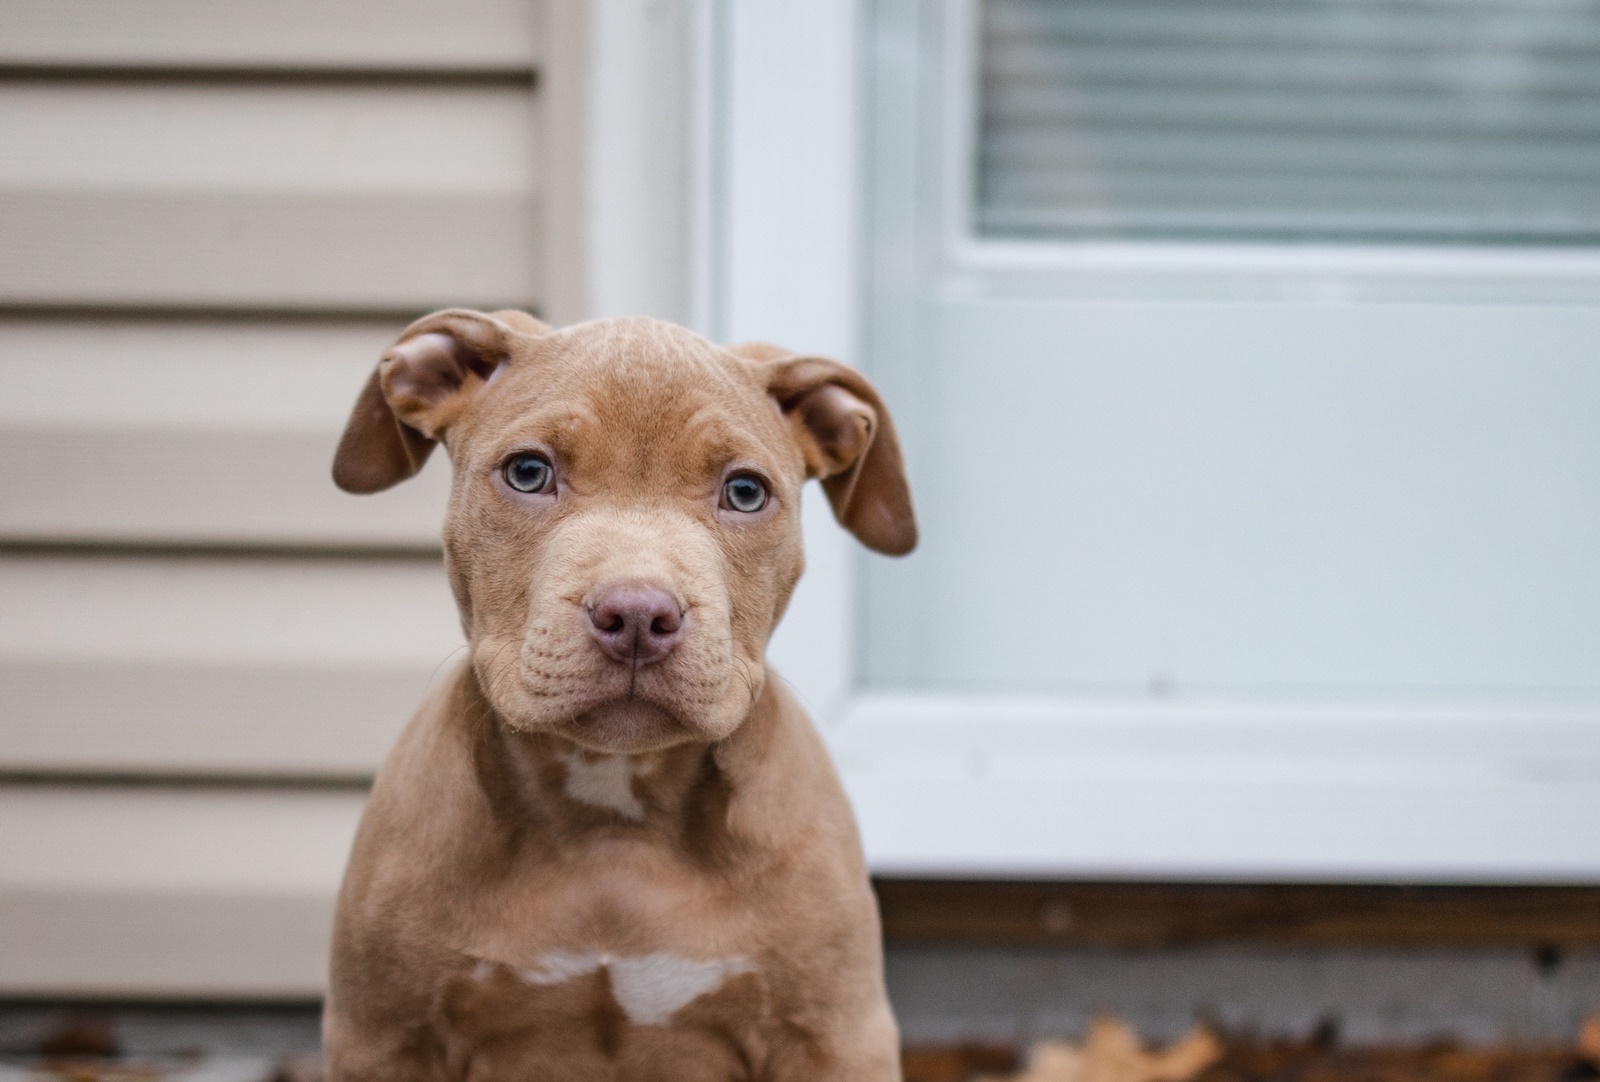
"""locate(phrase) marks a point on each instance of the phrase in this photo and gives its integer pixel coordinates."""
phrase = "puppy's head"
(624, 522)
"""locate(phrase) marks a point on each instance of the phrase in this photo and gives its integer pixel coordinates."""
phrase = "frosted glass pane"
(1249, 499)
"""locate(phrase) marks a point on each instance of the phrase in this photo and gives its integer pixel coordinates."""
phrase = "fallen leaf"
(1589, 1040)
(1111, 1052)
(81, 1035)
(1053, 1061)
(1193, 1053)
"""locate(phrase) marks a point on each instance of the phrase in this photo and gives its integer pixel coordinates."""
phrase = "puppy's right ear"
(419, 387)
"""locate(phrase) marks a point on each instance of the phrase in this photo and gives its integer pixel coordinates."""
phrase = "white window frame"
(948, 785)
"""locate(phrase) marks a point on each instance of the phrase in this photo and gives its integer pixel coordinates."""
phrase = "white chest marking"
(650, 989)
(606, 782)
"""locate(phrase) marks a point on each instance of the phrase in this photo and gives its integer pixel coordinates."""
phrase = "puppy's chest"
(652, 988)
(581, 1014)
(603, 984)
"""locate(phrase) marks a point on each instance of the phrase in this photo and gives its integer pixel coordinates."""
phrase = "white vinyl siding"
(214, 217)
(268, 196)
(408, 36)
(142, 892)
(173, 664)
(194, 431)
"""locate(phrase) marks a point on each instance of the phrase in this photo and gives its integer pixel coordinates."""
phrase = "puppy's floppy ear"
(416, 391)
(848, 440)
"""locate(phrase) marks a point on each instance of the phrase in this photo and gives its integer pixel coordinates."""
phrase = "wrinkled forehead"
(628, 392)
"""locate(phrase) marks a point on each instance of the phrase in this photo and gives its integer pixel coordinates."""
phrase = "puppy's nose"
(636, 623)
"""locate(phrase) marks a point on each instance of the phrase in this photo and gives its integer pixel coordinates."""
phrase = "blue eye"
(529, 473)
(745, 493)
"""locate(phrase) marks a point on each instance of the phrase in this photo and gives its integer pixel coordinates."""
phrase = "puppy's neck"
(585, 788)
(539, 777)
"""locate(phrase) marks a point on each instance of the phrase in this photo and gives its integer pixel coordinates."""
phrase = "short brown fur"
(583, 869)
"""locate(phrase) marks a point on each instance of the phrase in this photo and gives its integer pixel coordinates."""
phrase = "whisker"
(434, 675)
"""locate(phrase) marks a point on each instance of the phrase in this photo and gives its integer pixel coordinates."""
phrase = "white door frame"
(721, 191)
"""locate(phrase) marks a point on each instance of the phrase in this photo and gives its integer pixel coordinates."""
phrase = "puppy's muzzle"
(636, 623)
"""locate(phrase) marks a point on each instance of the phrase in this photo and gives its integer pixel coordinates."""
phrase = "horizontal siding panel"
(198, 195)
(221, 433)
(97, 484)
(220, 374)
(215, 666)
(205, 718)
(195, 892)
(267, 137)
(311, 251)
(419, 34)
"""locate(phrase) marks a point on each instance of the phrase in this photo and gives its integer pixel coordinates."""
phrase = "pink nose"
(636, 623)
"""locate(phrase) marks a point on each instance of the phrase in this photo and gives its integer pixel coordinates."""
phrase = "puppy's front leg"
(353, 1053)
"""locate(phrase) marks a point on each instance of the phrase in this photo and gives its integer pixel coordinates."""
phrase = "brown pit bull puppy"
(611, 845)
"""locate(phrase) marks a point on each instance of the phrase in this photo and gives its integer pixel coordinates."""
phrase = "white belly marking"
(651, 988)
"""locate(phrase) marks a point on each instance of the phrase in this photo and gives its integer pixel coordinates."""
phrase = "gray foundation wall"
(951, 993)
(1020, 994)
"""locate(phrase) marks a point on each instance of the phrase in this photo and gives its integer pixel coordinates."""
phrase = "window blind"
(1432, 121)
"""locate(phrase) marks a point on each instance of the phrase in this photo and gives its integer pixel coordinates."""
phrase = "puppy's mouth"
(631, 705)
(598, 702)
(629, 726)
(589, 680)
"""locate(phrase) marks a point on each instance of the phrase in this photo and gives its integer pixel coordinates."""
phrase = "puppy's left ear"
(419, 387)
(848, 440)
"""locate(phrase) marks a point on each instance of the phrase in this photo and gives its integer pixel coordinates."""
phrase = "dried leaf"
(1111, 1052)
(1589, 1040)
(81, 1035)
(1193, 1053)
(1048, 1061)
